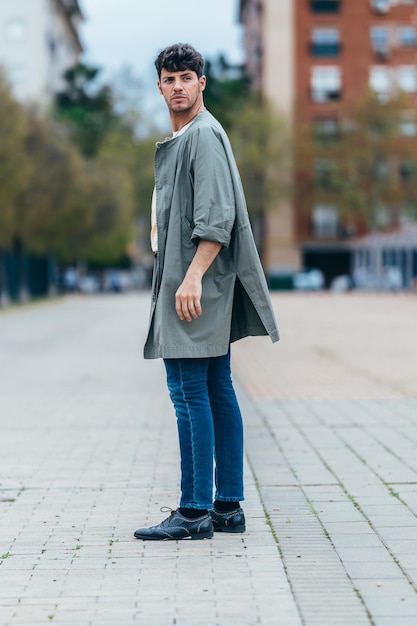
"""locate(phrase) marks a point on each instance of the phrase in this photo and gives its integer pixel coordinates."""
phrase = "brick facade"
(340, 49)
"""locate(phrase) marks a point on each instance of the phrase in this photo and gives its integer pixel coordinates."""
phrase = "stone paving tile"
(394, 621)
(90, 453)
(344, 422)
(374, 570)
(390, 598)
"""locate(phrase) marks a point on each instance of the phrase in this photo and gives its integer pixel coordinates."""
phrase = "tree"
(53, 209)
(227, 90)
(86, 107)
(144, 175)
(77, 208)
(259, 135)
(14, 165)
(15, 169)
(262, 145)
(111, 178)
(364, 167)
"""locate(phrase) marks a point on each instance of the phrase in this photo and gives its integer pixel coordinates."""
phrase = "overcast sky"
(120, 32)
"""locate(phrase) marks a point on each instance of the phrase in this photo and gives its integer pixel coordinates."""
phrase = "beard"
(183, 105)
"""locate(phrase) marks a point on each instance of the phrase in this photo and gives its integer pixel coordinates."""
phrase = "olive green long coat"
(199, 196)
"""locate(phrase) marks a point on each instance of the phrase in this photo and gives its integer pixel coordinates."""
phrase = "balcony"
(325, 6)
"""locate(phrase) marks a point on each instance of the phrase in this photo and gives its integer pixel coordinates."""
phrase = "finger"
(197, 307)
(178, 307)
(192, 309)
(184, 310)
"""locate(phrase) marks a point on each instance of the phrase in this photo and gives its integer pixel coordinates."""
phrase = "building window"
(325, 127)
(380, 40)
(325, 221)
(407, 124)
(16, 74)
(325, 6)
(407, 78)
(406, 170)
(326, 83)
(325, 42)
(380, 82)
(380, 6)
(324, 171)
(381, 169)
(15, 29)
(407, 36)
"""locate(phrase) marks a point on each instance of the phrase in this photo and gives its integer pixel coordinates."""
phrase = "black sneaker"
(231, 522)
(176, 526)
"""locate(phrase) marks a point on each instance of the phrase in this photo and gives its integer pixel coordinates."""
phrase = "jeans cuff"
(194, 505)
(237, 499)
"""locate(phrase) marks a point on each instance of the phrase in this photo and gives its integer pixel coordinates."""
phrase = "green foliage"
(53, 209)
(144, 175)
(15, 167)
(260, 139)
(365, 168)
(111, 192)
(226, 91)
(76, 186)
(87, 109)
(262, 146)
(53, 199)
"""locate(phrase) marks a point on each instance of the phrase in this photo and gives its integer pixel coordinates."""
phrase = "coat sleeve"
(214, 202)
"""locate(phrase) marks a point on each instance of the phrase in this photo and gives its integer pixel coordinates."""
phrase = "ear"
(203, 81)
(159, 87)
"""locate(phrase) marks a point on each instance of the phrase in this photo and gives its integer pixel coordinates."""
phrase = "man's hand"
(188, 295)
(188, 298)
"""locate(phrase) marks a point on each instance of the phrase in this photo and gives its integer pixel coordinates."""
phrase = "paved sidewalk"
(333, 446)
(89, 453)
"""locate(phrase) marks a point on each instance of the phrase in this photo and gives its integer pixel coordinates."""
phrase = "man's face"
(181, 90)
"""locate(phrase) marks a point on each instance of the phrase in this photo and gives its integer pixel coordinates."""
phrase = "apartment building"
(310, 57)
(39, 40)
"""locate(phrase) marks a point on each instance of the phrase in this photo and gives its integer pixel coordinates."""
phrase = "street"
(89, 454)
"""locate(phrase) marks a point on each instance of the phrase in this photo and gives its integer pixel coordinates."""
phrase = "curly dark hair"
(179, 57)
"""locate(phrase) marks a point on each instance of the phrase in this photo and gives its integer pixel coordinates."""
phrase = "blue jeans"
(209, 428)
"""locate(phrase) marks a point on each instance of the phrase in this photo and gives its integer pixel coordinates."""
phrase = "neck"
(182, 118)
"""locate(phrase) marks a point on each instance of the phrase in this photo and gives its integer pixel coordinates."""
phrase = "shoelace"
(165, 509)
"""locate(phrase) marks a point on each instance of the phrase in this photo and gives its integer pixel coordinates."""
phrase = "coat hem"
(172, 352)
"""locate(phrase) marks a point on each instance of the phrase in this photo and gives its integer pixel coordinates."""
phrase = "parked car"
(88, 284)
(309, 280)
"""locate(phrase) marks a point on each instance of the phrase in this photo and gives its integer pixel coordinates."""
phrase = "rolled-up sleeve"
(214, 201)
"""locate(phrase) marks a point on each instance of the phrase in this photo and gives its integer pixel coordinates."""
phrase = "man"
(208, 291)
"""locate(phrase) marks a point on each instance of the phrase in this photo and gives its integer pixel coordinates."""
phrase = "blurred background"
(319, 98)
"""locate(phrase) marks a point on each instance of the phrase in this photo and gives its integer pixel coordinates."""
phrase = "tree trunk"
(22, 282)
(4, 292)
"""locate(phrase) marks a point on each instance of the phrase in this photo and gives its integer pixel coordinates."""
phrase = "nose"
(177, 85)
